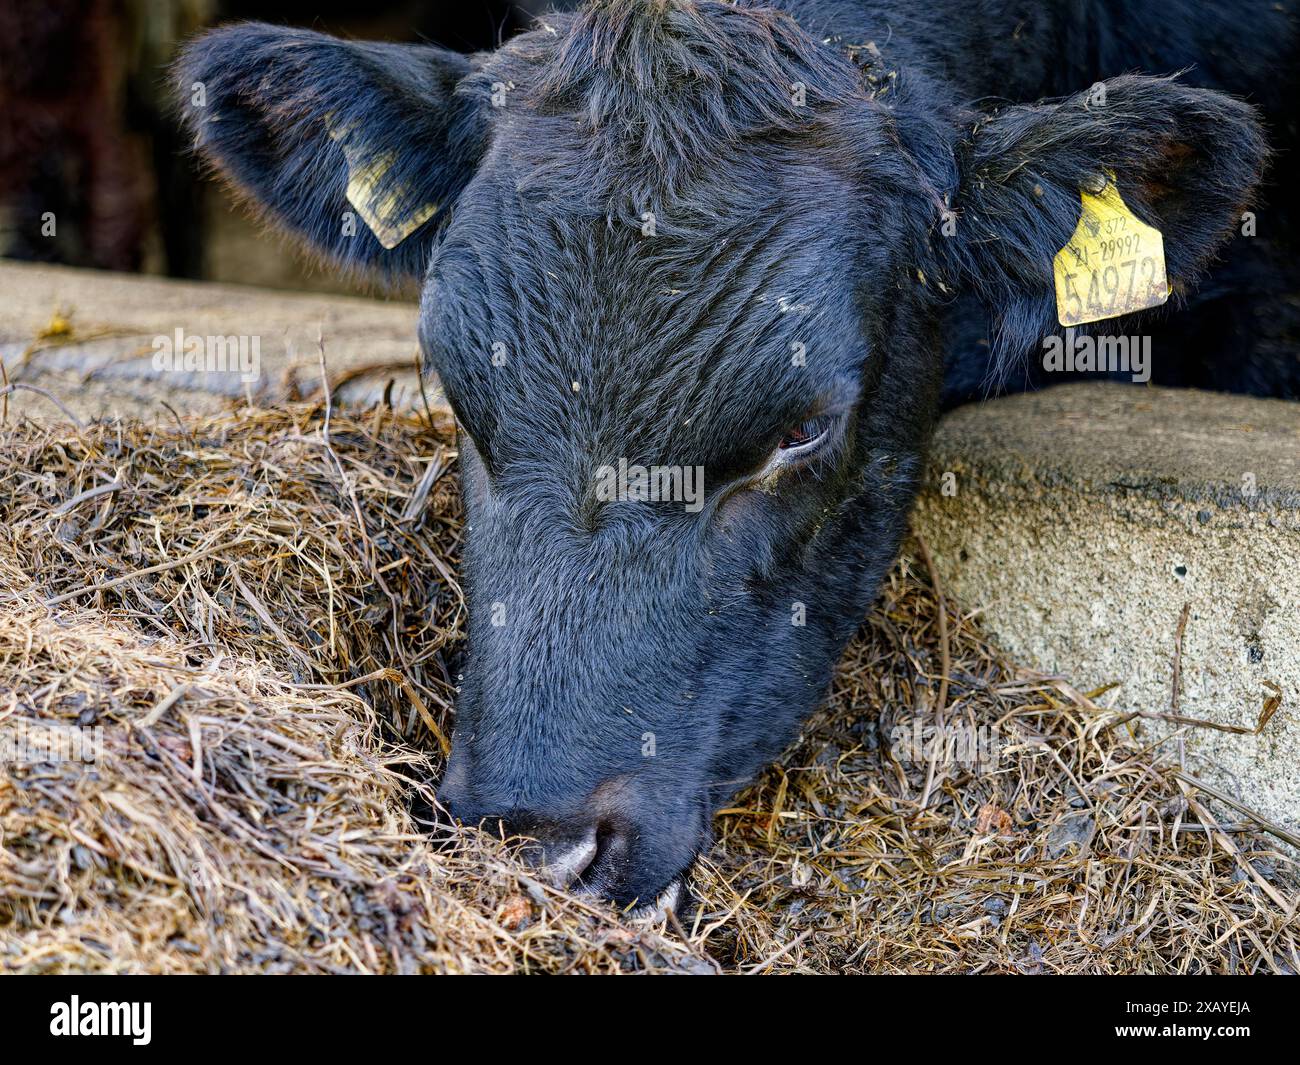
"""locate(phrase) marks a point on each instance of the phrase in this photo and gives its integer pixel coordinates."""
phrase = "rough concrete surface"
(104, 363)
(1080, 520)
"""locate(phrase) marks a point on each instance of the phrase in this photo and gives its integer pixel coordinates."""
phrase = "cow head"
(683, 268)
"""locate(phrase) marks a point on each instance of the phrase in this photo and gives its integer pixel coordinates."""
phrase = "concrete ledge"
(103, 365)
(1082, 519)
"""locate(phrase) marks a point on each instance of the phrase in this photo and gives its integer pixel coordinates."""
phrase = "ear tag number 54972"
(1113, 264)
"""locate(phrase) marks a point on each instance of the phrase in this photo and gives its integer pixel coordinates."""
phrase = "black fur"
(568, 338)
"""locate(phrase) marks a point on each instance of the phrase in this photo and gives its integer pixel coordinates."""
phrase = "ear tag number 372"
(1113, 264)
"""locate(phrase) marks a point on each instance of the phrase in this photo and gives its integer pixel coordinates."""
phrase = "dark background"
(86, 129)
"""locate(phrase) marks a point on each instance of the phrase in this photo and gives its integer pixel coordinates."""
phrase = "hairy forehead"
(538, 322)
(652, 254)
(634, 111)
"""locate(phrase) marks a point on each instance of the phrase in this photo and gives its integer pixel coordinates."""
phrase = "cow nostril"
(591, 862)
(612, 845)
(563, 863)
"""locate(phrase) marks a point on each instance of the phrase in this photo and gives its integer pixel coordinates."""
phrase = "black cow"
(664, 236)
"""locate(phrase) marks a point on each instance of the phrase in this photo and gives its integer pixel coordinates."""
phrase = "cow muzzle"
(596, 847)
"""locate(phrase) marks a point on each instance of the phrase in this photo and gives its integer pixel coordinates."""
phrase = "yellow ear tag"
(1113, 264)
(380, 211)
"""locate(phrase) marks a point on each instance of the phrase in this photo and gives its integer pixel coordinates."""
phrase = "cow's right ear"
(357, 148)
(1170, 157)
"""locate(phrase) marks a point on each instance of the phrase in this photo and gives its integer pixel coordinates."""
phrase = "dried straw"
(263, 616)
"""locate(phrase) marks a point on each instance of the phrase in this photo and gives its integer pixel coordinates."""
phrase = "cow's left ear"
(1185, 161)
(356, 148)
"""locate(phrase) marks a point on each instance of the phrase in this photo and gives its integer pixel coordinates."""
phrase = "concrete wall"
(1082, 519)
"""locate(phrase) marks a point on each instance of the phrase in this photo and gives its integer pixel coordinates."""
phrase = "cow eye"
(806, 437)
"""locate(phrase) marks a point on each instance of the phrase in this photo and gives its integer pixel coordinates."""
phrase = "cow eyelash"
(805, 439)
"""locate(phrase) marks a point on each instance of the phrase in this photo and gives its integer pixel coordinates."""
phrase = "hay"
(260, 612)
